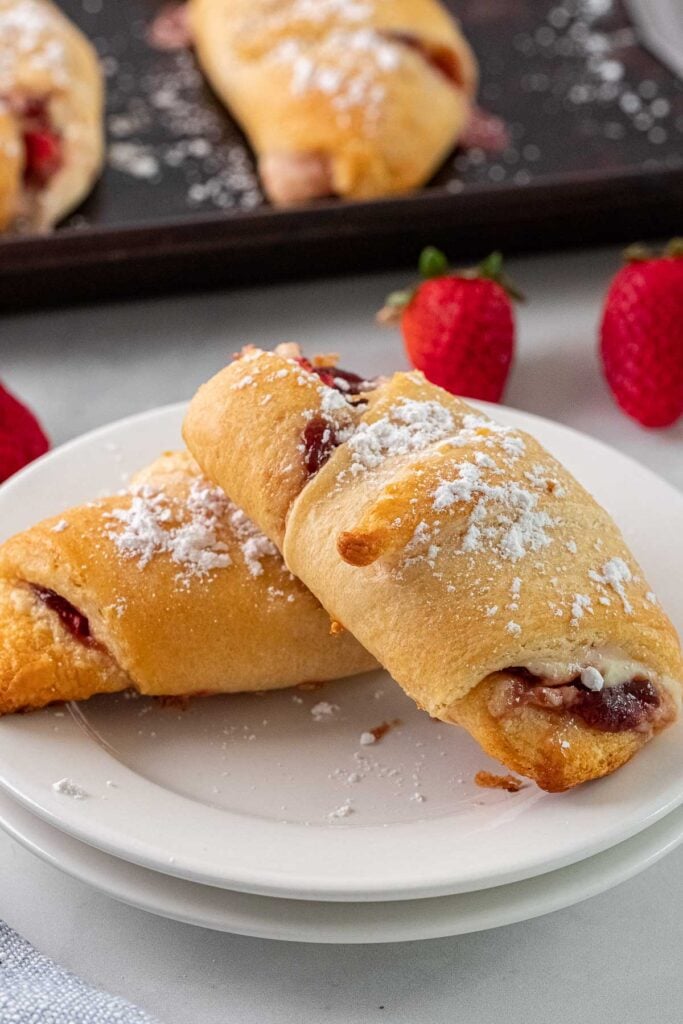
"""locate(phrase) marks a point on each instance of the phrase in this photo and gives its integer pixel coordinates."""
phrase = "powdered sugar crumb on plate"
(323, 711)
(67, 787)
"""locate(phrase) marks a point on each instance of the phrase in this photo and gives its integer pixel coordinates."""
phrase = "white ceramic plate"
(307, 921)
(195, 796)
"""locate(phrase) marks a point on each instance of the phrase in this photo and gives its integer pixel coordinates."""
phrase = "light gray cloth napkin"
(34, 990)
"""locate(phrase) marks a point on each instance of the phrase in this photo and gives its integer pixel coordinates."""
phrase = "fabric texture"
(34, 990)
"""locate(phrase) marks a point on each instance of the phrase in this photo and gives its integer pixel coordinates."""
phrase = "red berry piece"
(458, 328)
(641, 337)
(21, 436)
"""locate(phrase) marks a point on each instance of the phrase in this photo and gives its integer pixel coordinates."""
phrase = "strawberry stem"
(432, 263)
(401, 298)
(638, 252)
(492, 269)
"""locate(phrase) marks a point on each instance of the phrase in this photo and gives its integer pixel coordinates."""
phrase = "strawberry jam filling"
(74, 621)
(319, 438)
(42, 145)
(629, 705)
(441, 58)
(319, 442)
(341, 380)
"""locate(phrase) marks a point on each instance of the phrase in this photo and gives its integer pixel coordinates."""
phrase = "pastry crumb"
(380, 731)
(487, 780)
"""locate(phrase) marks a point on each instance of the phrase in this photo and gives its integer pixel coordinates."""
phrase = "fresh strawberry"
(642, 336)
(21, 436)
(458, 327)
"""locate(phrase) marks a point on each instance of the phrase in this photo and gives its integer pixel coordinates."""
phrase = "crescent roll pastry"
(51, 97)
(489, 583)
(168, 589)
(356, 98)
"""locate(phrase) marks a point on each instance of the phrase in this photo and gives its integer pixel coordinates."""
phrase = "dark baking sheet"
(595, 155)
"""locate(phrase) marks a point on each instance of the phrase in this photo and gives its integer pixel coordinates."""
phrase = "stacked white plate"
(268, 815)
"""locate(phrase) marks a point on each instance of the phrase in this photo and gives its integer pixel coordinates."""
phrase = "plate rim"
(535, 897)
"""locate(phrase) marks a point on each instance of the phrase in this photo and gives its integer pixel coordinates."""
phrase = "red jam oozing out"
(42, 146)
(72, 620)
(628, 705)
(618, 708)
(442, 58)
(319, 443)
(319, 438)
(341, 380)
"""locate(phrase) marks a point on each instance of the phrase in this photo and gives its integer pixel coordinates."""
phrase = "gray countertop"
(615, 957)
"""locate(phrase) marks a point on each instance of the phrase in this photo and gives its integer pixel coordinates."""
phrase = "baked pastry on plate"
(475, 568)
(51, 98)
(355, 98)
(168, 589)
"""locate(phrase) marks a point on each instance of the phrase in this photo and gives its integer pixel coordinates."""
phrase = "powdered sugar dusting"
(189, 531)
(149, 526)
(411, 427)
(581, 604)
(329, 48)
(255, 545)
(505, 518)
(615, 574)
(30, 32)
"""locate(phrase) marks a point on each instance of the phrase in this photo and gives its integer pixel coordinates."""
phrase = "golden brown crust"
(11, 166)
(44, 58)
(217, 612)
(454, 549)
(359, 95)
(272, 481)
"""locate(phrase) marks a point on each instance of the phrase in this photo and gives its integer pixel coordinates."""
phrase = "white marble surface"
(616, 957)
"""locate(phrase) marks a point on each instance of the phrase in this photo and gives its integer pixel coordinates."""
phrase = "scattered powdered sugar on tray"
(162, 125)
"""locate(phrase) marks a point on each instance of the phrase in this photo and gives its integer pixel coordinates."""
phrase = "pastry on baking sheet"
(356, 98)
(475, 568)
(51, 98)
(168, 589)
